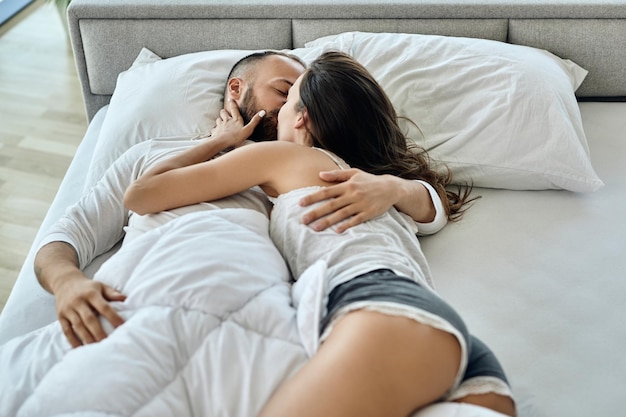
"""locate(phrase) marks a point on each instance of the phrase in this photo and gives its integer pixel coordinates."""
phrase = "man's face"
(274, 76)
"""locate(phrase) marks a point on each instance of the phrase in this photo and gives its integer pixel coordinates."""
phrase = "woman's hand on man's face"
(230, 124)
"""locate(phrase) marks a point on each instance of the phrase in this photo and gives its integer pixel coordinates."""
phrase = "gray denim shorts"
(384, 285)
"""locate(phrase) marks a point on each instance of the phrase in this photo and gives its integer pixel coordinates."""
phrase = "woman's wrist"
(225, 140)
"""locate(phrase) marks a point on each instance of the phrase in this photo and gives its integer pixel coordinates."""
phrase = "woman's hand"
(230, 125)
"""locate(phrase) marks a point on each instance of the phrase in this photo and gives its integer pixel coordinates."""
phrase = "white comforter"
(210, 330)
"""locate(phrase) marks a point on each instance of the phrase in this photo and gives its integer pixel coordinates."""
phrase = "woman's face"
(290, 119)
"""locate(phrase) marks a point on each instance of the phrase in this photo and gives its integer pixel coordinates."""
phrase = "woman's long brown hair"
(352, 117)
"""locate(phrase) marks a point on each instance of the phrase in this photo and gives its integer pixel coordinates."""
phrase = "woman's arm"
(182, 180)
(88, 228)
(232, 133)
(192, 177)
(277, 167)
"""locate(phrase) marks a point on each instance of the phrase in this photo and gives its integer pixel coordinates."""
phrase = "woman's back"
(387, 241)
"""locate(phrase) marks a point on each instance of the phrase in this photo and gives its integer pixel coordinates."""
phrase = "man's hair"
(248, 62)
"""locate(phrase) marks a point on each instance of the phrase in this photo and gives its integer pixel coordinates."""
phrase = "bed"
(537, 265)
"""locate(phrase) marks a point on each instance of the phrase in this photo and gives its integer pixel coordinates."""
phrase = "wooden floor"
(42, 121)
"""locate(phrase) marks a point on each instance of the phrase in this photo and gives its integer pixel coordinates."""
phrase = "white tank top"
(387, 241)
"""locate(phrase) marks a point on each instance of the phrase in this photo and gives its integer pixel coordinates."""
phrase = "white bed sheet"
(539, 275)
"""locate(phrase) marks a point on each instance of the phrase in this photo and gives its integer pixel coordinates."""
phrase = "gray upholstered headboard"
(107, 35)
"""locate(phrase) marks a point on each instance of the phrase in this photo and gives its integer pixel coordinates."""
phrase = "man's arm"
(79, 300)
(361, 196)
(89, 228)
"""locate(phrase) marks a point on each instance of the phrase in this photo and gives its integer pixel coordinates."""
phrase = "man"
(99, 219)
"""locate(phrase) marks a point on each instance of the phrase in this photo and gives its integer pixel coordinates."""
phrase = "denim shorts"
(384, 288)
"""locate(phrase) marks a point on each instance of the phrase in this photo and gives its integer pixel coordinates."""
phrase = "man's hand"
(361, 196)
(79, 302)
(357, 197)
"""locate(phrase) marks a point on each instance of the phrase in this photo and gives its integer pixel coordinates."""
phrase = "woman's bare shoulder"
(278, 149)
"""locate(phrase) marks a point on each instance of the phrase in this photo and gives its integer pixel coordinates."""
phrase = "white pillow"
(499, 115)
(178, 96)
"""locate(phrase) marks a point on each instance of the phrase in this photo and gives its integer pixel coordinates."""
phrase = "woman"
(390, 344)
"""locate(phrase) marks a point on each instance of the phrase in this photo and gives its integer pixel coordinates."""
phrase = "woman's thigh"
(372, 364)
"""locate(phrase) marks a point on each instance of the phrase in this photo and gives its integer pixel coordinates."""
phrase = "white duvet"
(210, 330)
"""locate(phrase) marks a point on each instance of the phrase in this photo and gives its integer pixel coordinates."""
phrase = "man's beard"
(266, 129)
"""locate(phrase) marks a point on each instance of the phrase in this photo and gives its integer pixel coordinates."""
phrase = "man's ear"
(235, 88)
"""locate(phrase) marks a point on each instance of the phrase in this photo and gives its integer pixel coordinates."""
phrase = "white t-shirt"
(99, 219)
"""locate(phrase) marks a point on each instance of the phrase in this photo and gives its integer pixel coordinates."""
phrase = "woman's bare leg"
(500, 403)
(372, 364)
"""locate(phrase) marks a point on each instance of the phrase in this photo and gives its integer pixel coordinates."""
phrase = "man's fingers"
(88, 327)
(82, 325)
(332, 219)
(83, 333)
(342, 217)
(338, 175)
(111, 294)
(103, 307)
(109, 314)
(66, 326)
(323, 210)
(342, 220)
(92, 326)
(321, 195)
(78, 327)
(351, 222)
